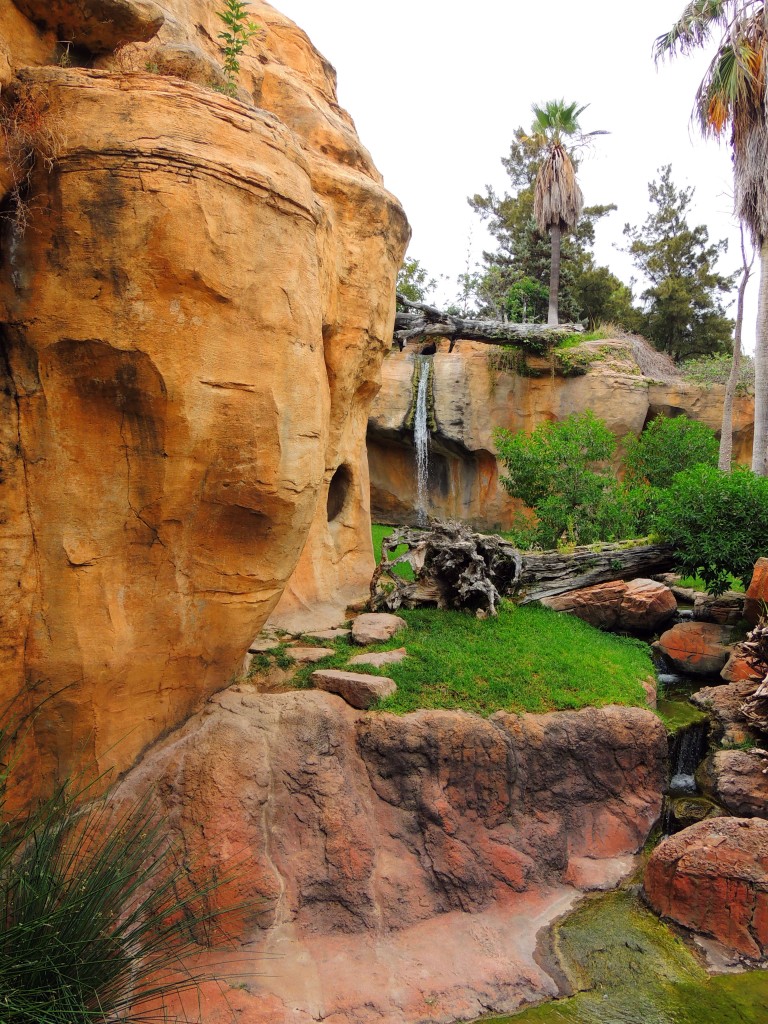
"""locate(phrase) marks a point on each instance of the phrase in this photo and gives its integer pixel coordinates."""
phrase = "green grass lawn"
(526, 659)
(379, 532)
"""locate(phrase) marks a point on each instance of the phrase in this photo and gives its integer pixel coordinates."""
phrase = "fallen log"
(428, 321)
(456, 568)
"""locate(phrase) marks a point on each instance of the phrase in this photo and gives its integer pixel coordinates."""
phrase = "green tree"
(666, 447)
(414, 282)
(238, 31)
(684, 314)
(732, 96)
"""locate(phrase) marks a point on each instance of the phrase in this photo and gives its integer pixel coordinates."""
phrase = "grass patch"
(527, 659)
(380, 533)
(697, 583)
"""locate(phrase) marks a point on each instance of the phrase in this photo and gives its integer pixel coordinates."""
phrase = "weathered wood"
(549, 573)
(428, 321)
(456, 568)
(755, 651)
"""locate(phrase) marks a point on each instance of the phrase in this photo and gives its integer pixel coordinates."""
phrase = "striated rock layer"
(473, 393)
(399, 868)
(192, 325)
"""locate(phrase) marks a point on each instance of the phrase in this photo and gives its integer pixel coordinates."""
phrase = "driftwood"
(755, 651)
(428, 321)
(456, 568)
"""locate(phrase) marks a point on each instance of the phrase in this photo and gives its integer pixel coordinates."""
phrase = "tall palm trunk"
(554, 275)
(726, 432)
(760, 446)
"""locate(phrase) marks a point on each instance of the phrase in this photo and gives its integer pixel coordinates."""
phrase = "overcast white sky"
(437, 89)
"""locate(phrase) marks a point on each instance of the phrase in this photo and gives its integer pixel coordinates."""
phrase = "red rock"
(734, 778)
(696, 648)
(713, 878)
(402, 865)
(723, 703)
(756, 597)
(725, 609)
(356, 688)
(737, 669)
(640, 606)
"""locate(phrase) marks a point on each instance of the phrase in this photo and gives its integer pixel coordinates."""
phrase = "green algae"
(679, 714)
(626, 967)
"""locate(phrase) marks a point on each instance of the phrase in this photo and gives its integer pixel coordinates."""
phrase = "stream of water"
(421, 439)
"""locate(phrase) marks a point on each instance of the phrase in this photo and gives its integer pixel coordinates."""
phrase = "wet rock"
(378, 658)
(696, 648)
(723, 704)
(725, 609)
(734, 778)
(687, 810)
(756, 597)
(376, 627)
(639, 606)
(356, 688)
(713, 879)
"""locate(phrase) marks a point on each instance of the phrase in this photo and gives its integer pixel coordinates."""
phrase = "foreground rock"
(376, 628)
(356, 688)
(734, 778)
(713, 879)
(637, 606)
(696, 648)
(206, 395)
(401, 867)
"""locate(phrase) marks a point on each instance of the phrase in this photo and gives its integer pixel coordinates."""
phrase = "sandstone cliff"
(473, 392)
(398, 868)
(196, 296)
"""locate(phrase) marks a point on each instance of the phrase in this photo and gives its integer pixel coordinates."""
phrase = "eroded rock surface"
(756, 598)
(734, 778)
(697, 648)
(401, 865)
(713, 878)
(192, 328)
(640, 606)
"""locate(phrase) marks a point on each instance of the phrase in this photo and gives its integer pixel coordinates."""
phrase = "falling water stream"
(421, 439)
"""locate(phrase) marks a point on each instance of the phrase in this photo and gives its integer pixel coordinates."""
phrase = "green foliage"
(556, 470)
(238, 31)
(96, 915)
(718, 523)
(708, 370)
(527, 301)
(667, 447)
(684, 314)
(414, 282)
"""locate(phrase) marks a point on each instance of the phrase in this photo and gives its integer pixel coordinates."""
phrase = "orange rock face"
(193, 324)
(697, 648)
(756, 599)
(640, 606)
(713, 878)
(399, 867)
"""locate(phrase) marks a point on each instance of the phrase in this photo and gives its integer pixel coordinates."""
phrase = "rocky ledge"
(421, 854)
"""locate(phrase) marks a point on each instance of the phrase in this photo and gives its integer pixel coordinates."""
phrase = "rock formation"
(476, 390)
(398, 868)
(196, 298)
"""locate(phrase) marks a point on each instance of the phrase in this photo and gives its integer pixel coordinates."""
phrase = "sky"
(437, 90)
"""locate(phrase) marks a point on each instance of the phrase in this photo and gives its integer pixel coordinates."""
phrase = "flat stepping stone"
(361, 691)
(330, 634)
(308, 655)
(379, 658)
(376, 628)
(263, 644)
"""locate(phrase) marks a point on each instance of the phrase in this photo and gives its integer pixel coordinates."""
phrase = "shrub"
(718, 523)
(238, 31)
(667, 447)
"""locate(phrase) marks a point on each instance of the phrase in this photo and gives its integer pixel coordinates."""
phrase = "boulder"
(738, 669)
(399, 868)
(207, 395)
(357, 689)
(713, 878)
(376, 627)
(756, 597)
(379, 658)
(723, 704)
(696, 648)
(735, 779)
(725, 609)
(637, 606)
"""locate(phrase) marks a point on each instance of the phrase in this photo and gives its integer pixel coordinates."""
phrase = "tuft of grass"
(526, 659)
(697, 583)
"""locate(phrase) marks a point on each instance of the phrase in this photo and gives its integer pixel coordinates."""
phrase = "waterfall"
(421, 439)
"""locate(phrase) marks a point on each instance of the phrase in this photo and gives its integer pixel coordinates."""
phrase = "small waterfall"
(688, 747)
(421, 439)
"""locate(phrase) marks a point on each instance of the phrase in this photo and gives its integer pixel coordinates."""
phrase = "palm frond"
(694, 27)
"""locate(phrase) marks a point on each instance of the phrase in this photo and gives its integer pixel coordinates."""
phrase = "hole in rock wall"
(338, 492)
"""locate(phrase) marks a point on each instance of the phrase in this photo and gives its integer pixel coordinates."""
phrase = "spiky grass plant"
(97, 917)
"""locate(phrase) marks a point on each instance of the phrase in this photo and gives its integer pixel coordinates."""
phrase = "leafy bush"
(667, 447)
(96, 918)
(557, 471)
(718, 523)
(238, 31)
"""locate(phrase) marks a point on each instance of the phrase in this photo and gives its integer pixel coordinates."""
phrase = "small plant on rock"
(238, 31)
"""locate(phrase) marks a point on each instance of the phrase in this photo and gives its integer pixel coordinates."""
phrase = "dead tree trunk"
(456, 568)
(427, 321)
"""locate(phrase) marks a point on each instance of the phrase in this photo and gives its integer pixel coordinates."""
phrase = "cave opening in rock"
(338, 492)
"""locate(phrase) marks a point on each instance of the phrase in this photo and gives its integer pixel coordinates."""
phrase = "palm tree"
(732, 95)
(557, 201)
